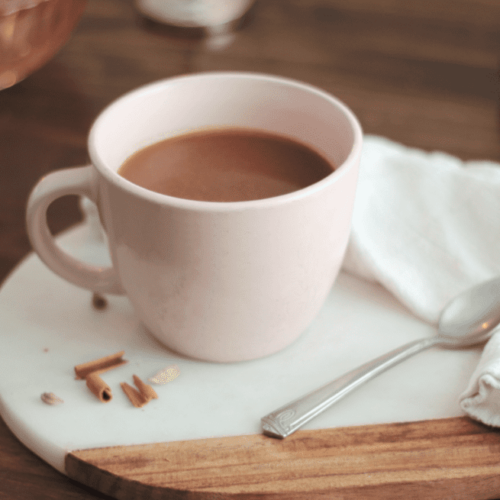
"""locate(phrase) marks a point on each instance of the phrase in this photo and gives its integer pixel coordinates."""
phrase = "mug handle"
(79, 181)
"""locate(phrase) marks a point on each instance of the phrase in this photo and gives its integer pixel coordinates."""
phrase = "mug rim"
(185, 203)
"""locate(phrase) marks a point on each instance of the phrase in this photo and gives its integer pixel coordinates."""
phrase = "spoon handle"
(290, 417)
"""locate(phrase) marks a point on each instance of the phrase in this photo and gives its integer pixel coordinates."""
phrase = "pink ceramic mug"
(215, 281)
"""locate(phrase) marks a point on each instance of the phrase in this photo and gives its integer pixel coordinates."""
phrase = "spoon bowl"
(469, 318)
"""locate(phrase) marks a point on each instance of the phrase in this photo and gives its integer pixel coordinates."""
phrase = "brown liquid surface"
(225, 165)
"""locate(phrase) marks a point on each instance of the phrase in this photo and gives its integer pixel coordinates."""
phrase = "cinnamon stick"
(99, 365)
(97, 385)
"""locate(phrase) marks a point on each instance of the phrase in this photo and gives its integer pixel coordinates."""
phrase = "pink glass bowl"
(31, 32)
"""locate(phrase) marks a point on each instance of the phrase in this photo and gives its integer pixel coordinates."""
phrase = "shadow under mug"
(215, 281)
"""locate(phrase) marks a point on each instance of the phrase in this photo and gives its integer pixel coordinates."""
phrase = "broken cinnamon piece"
(135, 397)
(139, 397)
(146, 390)
(97, 385)
(98, 301)
(100, 365)
(51, 399)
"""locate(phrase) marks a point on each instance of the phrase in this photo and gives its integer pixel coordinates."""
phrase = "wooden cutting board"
(452, 458)
(201, 439)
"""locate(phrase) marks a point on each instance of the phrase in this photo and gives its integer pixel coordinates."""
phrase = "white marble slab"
(47, 326)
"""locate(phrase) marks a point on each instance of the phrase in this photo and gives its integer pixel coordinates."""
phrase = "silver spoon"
(466, 320)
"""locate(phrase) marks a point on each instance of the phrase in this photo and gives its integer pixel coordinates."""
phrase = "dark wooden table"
(423, 73)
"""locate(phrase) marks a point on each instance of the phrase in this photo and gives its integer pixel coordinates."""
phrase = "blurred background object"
(212, 15)
(31, 33)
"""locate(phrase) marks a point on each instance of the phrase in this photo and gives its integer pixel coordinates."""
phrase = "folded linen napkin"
(426, 226)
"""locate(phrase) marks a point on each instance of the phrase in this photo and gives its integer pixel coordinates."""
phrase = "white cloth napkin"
(426, 226)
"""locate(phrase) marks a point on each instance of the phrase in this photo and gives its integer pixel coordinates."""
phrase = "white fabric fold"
(426, 226)
(481, 399)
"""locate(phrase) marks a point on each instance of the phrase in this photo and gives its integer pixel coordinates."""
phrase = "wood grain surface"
(422, 73)
(448, 458)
